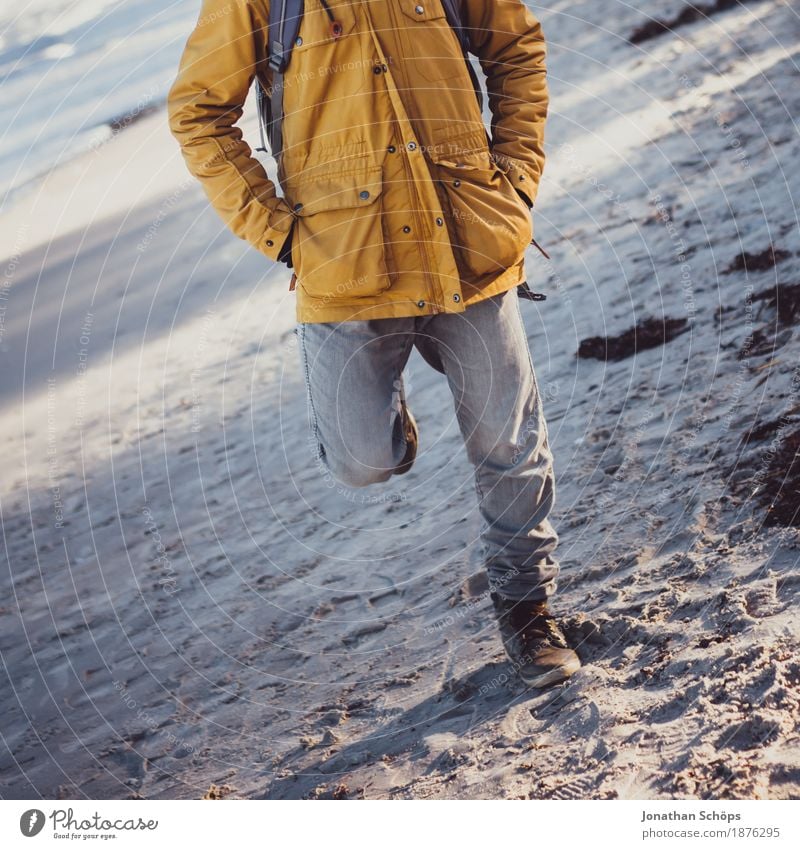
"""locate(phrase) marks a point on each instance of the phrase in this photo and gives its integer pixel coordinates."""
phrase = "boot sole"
(552, 676)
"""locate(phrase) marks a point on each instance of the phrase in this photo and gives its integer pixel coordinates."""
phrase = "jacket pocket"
(489, 223)
(338, 248)
(318, 29)
(430, 47)
(330, 58)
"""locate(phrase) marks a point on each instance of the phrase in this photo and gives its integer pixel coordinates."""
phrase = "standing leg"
(488, 365)
(353, 373)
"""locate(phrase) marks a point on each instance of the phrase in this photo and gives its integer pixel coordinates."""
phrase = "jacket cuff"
(277, 231)
(524, 178)
(528, 201)
(285, 253)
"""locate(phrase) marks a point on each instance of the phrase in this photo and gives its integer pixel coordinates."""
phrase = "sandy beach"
(191, 608)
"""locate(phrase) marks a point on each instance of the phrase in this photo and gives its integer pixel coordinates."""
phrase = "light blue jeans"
(353, 372)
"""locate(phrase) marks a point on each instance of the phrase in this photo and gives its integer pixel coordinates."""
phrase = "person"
(406, 224)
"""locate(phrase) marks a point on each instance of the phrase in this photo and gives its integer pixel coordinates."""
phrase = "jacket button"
(391, 148)
(420, 10)
(439, 222)
(298, 207)
(363, 195)
(270, 243)
(522, 176)
(456, 183)
(406, 229)
(420, 304)
(456, 298)
(377, 69)
(298, 42)
(412, 145)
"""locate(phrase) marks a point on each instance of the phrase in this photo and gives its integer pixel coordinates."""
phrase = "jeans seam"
(311, 407)
(527, 346)
(539, 401)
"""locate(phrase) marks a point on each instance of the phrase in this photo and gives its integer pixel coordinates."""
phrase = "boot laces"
(537, 623)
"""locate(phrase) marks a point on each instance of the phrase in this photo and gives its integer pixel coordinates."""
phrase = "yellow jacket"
(401, 205)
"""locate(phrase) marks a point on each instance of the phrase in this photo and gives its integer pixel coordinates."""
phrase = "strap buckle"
(276, 57)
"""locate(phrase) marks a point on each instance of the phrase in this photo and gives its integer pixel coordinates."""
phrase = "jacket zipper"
(415, 191)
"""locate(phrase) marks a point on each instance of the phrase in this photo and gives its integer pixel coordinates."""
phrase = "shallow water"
(70, 67)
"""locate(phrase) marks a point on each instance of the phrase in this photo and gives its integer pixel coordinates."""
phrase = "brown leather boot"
(533, 642)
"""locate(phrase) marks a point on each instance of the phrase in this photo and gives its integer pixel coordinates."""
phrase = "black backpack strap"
(452, 11)
(284, 25)
(285, 17)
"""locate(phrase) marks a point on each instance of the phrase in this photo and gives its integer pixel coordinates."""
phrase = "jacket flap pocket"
(335, 191)
(455, 155)
(422, 10)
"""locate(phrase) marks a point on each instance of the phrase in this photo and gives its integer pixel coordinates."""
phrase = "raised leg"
(353, 372)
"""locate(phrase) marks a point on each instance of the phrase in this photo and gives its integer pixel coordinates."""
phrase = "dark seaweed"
(688, 14)
(763, 261)
(650, 333)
